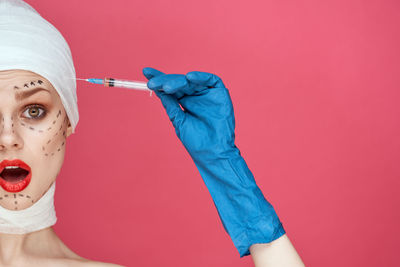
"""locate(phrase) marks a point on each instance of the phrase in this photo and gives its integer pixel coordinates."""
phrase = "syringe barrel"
(111, 82)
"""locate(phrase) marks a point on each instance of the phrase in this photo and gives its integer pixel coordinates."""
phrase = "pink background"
(315, 86)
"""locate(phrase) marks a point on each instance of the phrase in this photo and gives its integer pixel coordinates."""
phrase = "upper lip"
(14, 162)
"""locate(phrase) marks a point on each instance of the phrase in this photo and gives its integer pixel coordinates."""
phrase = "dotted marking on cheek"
(59, 130)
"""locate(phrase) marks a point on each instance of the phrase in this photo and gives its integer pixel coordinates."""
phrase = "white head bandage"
(37, 217)
(29, 42)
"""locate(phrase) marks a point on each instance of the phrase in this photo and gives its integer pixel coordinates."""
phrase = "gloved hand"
(206, 127)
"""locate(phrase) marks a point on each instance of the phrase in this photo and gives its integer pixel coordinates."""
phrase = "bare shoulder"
(100, 264)
(89, 263)
(84, 263)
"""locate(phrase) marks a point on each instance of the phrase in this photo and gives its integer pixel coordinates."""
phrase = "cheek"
(55, 135)
(51, 137)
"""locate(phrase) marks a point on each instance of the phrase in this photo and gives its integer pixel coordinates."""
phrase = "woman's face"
(33, 129)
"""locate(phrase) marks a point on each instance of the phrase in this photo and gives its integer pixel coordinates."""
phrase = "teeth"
(12, 167)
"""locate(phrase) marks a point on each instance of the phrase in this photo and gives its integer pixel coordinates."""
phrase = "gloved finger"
(175, 114)
(205, 79)
(157, 83)
(178, 86)
(151, 72)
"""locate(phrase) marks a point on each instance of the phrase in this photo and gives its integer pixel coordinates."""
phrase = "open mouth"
(14, 175)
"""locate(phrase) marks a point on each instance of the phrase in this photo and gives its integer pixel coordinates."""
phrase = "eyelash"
(41, 115)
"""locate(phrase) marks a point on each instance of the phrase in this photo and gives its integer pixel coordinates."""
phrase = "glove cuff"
(246, 215)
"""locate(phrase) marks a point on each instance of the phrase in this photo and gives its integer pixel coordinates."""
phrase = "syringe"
(111, 82)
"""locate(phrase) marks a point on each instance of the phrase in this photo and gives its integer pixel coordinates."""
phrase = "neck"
(16, 247)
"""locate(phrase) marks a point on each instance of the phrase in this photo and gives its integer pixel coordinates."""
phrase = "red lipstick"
(15, 186)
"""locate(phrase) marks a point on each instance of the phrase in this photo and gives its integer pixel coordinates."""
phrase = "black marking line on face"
(48, 129)
(31, 83)
(39, 130)
(12, 124)
(59, 130)
(16, 87)
(19, 197)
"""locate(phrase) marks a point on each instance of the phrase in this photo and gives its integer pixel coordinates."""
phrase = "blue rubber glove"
(206, 127)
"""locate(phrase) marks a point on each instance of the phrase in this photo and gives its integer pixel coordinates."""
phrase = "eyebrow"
(24, 94)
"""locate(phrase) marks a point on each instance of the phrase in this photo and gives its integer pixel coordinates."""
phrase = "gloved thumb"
(174, 111)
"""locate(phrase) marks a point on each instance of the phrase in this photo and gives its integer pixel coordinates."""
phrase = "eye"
(35, 112)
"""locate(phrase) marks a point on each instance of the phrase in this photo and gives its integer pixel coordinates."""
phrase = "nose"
(9, 138)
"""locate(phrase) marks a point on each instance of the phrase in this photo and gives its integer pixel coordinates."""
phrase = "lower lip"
(16, 187)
